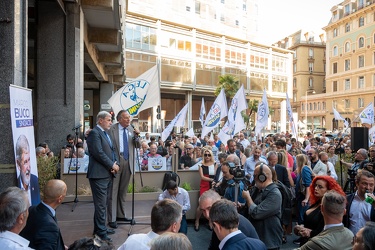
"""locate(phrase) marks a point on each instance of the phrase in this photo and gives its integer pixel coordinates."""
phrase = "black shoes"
(123, 219)
(297, 241)
(110, 231)
(103, 238)
(113, 224)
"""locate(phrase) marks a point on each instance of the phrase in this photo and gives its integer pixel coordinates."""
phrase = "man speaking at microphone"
(122, 134)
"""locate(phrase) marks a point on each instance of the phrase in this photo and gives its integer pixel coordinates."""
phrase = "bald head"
(266, 171)
(54, 192)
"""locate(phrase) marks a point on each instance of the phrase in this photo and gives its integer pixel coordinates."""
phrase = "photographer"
(360, 159)
(230, 174)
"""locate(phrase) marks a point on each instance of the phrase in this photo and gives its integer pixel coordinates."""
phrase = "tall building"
(350, 77)
(309, 63)
(194, 42)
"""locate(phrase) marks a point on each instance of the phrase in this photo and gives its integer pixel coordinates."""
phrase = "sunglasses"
(207, 155)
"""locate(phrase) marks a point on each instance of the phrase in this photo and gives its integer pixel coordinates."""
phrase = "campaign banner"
(73, 165)
(157, 164)
(21, 112)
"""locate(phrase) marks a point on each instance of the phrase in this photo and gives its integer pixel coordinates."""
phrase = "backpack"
(286, 204)
(168, 176)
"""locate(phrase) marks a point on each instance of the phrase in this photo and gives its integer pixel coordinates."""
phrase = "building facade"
(193, 47)
(350, 78)
(309, 65)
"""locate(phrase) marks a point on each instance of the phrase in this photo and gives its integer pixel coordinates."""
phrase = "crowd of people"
(241, 183)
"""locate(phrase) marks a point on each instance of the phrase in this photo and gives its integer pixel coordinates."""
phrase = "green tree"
(230, 85)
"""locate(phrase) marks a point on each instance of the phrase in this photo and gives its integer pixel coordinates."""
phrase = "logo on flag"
(214, 116)
(234, 107)
(133, 96)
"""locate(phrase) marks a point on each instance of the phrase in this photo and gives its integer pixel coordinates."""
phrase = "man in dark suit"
(224, 219)
(102, 168)
(122, 135)
(41, 228)
(26, 180)
(281, 171)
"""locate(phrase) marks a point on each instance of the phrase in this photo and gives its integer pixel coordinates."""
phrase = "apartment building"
(309, 63)
(350, 76)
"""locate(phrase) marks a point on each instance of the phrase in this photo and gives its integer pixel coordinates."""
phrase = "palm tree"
(230, 85)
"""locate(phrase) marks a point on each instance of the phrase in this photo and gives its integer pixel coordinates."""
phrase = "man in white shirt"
(323, 156)
(245, 142)
(13, 217)
(180, 195)
(166, 216)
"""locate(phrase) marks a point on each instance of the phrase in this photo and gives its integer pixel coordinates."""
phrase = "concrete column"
(13, 70)
(283, 115)
(59, 84)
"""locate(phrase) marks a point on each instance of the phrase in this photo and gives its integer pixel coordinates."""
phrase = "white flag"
(138, 95)
(367, 115)
(290, 116)
(217, 112)
(226, 132)
(190, 133)
(339, 117)
(178, 121)
(262, 114)
(202, 113)
(234, 114)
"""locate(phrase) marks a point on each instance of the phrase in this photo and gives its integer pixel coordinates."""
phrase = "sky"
(280, 18)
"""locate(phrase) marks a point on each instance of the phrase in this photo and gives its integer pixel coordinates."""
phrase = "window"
(311, 52)
(347, 103)
(324, 84)
(314, 105)
(334, 68)
(294, 82)
(294, 97)
(361, 21)
(347, 9)
(374, 33)
(347, 84)
(361, 42)
(187, 8)
(303, 106)
(347, 27)
(244, 7)
(222, 18)
(295, 54)
(373, 80)
(197, 7)
(311, 82)
(334, 104)
(361, 82)
(334, 32)
(318, 105)
(222, 1)
(361, 61)
(311, 67)
(334, 85)
(237, 22)
(310, 106)
(324, 105)
(347, 64)
(335, 51)
(294, 67)
(347, 47)
(360, 103)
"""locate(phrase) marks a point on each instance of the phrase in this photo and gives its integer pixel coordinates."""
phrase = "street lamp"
(313, 92)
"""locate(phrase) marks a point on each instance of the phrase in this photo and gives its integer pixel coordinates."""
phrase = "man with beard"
(318, 167)
(231, 147)
(26, 180)
(251, 161)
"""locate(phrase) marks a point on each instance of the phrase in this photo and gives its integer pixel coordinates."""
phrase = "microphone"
(77, 127)
(134, 129)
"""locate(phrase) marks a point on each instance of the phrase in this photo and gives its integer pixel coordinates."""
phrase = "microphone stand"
(132, 222)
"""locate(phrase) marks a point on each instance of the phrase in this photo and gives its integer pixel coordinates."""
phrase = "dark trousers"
(183, 227)
(101, 189)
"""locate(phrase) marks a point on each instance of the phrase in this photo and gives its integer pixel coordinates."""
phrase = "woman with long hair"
(303, 181)
(282, 159)
(313, 222)
(207, 173)
(332, 157)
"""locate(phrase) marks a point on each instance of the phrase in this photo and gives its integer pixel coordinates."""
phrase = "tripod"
(132, 222)
(350, 185)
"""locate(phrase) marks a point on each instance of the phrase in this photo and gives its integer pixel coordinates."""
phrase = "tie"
(109, 139)
(126, 146)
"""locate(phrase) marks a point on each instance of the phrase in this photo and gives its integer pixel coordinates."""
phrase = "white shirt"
(28, 191)
(226, 238)
(11, 241)
(121, 138)
(332, 169)
(360, 212)
(182, 198)
(245, 142)
(138, 241)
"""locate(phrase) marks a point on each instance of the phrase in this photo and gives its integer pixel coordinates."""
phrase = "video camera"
(352, 173)
(237, 172)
